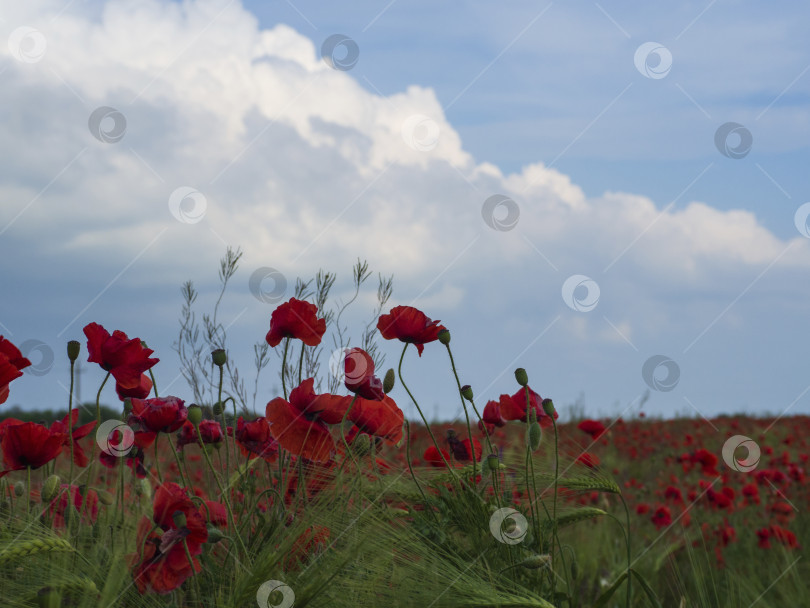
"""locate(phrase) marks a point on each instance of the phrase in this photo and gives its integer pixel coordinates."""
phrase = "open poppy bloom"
(359, 375)
(379, 418)
(139, 392)
(255, 440)
(594, 428)
(210, 432)
(11, 365)
(61, 426)
(159, 414)
(299, 425)
(163, 564)
(296, 319)
(28, 444)
(125, 359)
(410, 325)
(433, 457)
(514, 407)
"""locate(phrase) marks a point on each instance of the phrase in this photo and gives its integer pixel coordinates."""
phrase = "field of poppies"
(333, 498)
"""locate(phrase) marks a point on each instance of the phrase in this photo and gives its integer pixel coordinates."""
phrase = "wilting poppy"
(410, 325)
(125, 359)
(296, 319)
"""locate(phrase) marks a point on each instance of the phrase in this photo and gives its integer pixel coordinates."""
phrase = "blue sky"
(609, 158)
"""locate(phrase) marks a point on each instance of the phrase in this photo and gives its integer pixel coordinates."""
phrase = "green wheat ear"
(572, 517)
(32, 547)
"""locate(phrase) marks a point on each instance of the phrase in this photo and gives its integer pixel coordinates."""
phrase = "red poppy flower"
(125, 359)
(163, 565)
(778, 533)
(492, 414)
(255, 440)
(514, 407)
(139, 392)
(29, 444)
(159, 414)
(434, 458)
(594, 428)
(410, 325)
(359, 375)
(58, 505)
(61, 426)
(381, 418)
(312, 541)
(589, 460)
(11, 365)
(299, 425)
(296, 319)
(662, 517)
(210, 432)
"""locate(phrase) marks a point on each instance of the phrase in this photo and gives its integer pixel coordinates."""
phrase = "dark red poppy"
(296, 319)
(162, 565)
(299, 425)
(381, 418)
(460, 448)
(662, 517)
(255, 440)
(139, 392)
(210, 432)
(410, 325)
(514, 407)
(434, 458)
(779, 534)
(594, 428)
(492, 414)
(125, 359)
(80, 459)
(29, 444)
(58, 505)
(359, 375)
(11, 365)
(159, 414)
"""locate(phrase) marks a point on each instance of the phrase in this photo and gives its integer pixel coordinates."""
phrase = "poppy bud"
(532, 415)
(444, 337)
(214, 535)
(361, 444)
(194, 414)
(536, 561)
(105, 497)
(467, 392)
(521, 376)
(19, 489)
(548, 407)
(534, 435)
(574, 570)
(48, 597)
(179, 519)
(143, 488)
(50, 488)
(389, 380)
(73, 349)
(493, 462)
(219, 357)
(218, 408)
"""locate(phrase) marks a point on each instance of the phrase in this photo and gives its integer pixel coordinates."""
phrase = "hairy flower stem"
(154, 383)
(224, 424)
(556, 477)
(284, 367)
(157, 460)
(92, 466)
(343, 434)
(418, 409)
(301, 364)
(466, 414)
(70, 423)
